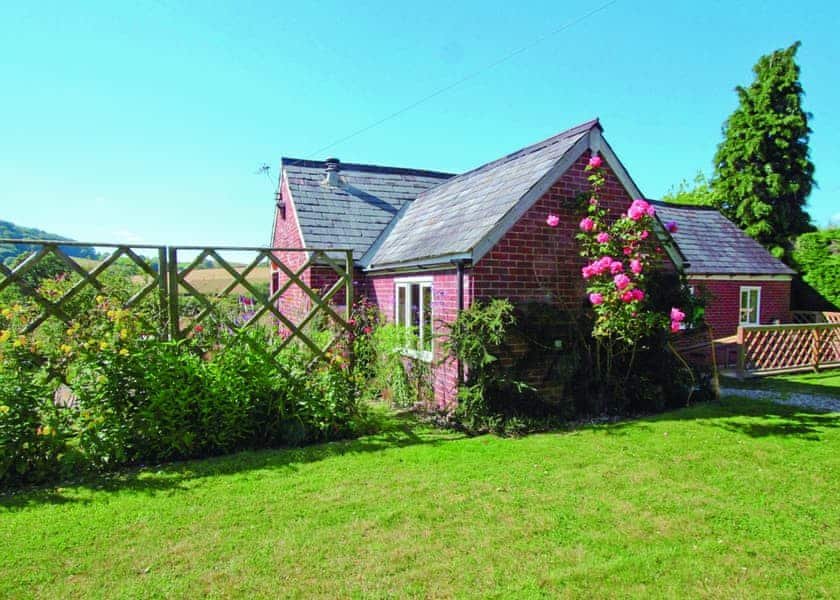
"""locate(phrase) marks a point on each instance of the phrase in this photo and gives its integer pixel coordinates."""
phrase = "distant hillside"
(16, 232)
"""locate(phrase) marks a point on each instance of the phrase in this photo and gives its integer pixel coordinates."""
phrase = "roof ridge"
(321, 164)
(557, 137)
(685, 206)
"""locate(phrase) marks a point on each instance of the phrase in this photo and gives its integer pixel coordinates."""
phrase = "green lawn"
(825, 383)
(732, 500)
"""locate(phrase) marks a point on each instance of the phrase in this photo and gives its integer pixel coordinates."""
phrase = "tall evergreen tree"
(763, 175)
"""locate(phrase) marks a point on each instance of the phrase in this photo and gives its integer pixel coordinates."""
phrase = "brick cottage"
(427, 244)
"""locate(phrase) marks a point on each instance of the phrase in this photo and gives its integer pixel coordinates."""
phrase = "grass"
(825, 383)
(737, 499)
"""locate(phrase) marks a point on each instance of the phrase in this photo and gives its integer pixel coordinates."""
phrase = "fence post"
(815, 349)
(172, 283)
(163, 305)
(741, 366)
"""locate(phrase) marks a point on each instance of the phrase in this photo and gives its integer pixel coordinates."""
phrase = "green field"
(732, 500)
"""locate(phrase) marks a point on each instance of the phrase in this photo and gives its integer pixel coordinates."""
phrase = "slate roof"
(353, 214)
(714, 245)
(452, 218)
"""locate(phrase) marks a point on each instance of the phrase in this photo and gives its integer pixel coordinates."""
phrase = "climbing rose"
(596, 298)
(677, 315)
(671, 226)
(627, 296)
(616, 267)
(644, 235)
(628, 250)
(587, 271)
(638, 294)
(552, 220)
(621, 281)
(636, 266)
(603, 237)
(639, 208)
(675, 326)
(587, 224)
(595, 162)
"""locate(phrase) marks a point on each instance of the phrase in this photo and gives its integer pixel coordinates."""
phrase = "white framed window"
(749, 305)
(413, 310)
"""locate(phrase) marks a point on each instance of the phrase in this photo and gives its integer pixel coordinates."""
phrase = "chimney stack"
(333, 168)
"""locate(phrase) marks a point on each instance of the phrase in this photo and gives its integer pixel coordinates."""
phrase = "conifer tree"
(763, 174)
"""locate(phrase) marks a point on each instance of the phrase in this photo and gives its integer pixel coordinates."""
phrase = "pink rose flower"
(627, 296)
(675, 326)
(587, 271)
(644, 235)
(627, 251)
(595, 298)
(671, 227)
(621, 281)
(593, 201)
(636, 266)
(587, 224)
(638, 294)
(603, 237)
(595, 161)
(616, 267)
(552, 220)
(639, 208)
(602, 264)
(677, 315)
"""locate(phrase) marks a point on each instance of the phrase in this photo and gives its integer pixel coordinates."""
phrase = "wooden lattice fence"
(168, 281)
(795, 347)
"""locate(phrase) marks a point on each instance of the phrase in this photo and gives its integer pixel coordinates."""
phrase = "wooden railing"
(781, 348)
(813, 316)
(170, 283)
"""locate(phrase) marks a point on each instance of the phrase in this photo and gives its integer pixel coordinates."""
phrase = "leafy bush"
(817, 256)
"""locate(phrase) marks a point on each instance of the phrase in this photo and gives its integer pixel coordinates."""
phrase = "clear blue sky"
(147, 121)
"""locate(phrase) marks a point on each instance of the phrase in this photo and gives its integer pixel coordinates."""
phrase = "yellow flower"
(20, 341)
(123, 352)
(67, 349)
(72, 330)
(4, 409)
(4, 335)
(100, 299)
(17, 308)
(7, 313)
(123, 333)
(103, 345)
(101, 379)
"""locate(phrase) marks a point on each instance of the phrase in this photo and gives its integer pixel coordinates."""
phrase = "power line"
(464, 79)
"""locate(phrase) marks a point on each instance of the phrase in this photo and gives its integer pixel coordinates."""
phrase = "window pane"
(400, 311)
(414, 309)
(427, 318)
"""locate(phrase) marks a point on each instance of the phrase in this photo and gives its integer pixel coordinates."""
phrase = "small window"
(750, 305)
(413, 311)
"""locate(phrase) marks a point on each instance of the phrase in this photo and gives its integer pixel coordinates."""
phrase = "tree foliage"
(11, 231)
(763, 174)
(817, 256)
(698, 194)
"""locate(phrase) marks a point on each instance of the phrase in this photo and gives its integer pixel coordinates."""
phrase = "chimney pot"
(333, 167)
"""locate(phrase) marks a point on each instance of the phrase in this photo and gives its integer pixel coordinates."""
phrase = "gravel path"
(824, 403)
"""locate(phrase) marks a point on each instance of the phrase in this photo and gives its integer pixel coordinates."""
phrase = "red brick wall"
(536, 262)
(381, 290)
(724, 302)
(294, 304)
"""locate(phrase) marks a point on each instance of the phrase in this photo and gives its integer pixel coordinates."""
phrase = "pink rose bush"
(616, 286)
(552, 220)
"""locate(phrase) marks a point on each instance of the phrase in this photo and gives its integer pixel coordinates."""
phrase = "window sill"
(423, 355)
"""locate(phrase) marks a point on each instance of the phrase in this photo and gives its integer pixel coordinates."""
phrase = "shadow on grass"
(825, 383)
(394, 431)
(754, 418)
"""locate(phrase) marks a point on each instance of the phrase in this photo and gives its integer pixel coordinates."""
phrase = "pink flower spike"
(621, 281)
(671, 227)
(587, 224)
(596, 298)
(552, 220)
(677, 315)
(636, 266)
(603, 237)
(616, 267)
(595, 161)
